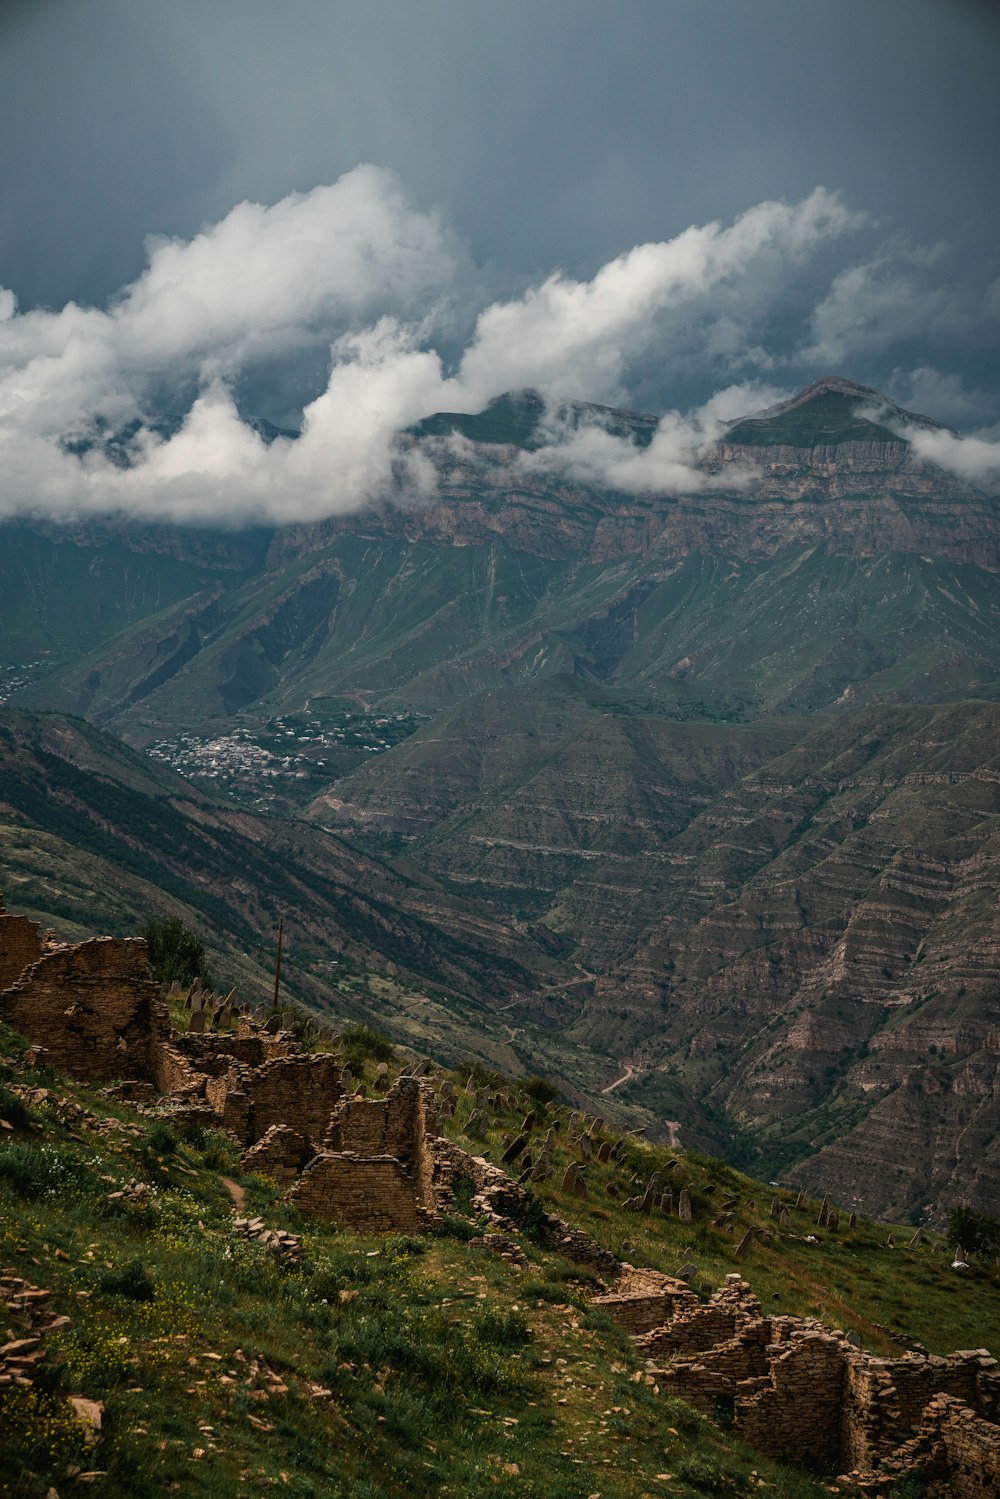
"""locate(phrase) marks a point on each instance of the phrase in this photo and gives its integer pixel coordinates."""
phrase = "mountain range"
(695, 798)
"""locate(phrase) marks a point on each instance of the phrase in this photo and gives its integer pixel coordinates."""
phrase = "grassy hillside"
(391, 1366)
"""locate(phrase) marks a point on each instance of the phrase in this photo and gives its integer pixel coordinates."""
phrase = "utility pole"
(277, 962)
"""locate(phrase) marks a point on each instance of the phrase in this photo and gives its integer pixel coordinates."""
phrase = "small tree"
(175, 953)
(975, 1233)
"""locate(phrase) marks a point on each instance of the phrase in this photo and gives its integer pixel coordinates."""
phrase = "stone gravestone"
(604, 1153)
(569, 1177)
(784, 1218)
(824, 1212)
(684, 1206)
(573, 1181)
(514, 1149)
(744, 1246)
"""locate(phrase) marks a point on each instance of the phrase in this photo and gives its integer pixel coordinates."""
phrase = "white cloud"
(976, 459)
(673, 461)
(942, 394)
(354, 270)
(574, 338)
(896, 297)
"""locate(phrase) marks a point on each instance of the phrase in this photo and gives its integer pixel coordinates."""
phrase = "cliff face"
(858, 499)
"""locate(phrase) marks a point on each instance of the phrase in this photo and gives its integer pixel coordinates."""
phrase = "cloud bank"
(353, 274)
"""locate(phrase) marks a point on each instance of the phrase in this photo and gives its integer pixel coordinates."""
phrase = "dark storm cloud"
(556, 132)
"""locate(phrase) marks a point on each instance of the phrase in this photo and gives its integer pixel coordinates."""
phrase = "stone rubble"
(287, 1246)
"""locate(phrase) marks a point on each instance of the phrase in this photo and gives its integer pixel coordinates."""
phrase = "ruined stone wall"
(20, 946)
(712, 1377)
(300, 1091)
(94, 1008)
(281, 1153)
(971, 1448)
(801, 1393)
(374, 1194)
(884, 1399)
(178, 1075)
(638, 1313)
(793, 1414)
(506, 1205)
(215, 1053)
(375, 1126)
(699, 1328)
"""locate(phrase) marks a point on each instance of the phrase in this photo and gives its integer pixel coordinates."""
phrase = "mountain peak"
(830, 411)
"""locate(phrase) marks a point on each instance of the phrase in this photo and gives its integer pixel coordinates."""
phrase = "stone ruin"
(799, 1392)
(790, 1387)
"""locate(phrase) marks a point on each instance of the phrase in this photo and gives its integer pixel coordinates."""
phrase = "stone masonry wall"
(373, 1194)
(20, 946)
(215, 1053)
(394, 1126)
(639, 1314)
(972, 1451)
(793, 1412)
(94, 1008)
(799, 1392)
(301, 1092)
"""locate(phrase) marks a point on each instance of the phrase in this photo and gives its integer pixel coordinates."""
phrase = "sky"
(343, 216)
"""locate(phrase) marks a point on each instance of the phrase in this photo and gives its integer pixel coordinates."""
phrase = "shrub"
(13, 1109)
(364, 1043)
(463, 1190)
(709, 1476)
(132, 1280)
(976, 1233)
(556, 1292)
(500, 1329)
(540, 1089)
(161, 1140)
(683, 1417)
(174, 952)
(449, 1227)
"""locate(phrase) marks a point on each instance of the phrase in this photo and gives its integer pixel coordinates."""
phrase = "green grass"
(448, 1370)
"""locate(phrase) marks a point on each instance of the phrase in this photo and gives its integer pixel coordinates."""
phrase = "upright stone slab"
(684, 1206)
